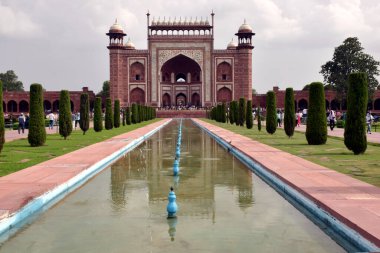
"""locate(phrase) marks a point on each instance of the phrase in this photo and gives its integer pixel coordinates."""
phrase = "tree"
(249, 119)
(116, 115)
(231, 113)
(355, 137)
(134, 114)
(84, 121)
(128, 115)
(123, 118)
(2, 124)
(349, 58)
(241, 115)
(108, 124)
(37, 131)
(105, 92)
(223, 113)
(316, 125)
(289, 117)
(258, 119)
(271, 119)
(10, 82)
(65, 121)
(98, 117)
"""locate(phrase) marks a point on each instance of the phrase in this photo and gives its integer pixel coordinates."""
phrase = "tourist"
(279, 118)
(21, 123)
(369, 120)
(51, 118)
(77, 119)
(331, 119)
(73, 117)
(299, 115)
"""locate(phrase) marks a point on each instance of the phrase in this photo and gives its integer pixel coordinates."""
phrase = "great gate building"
(180, 66)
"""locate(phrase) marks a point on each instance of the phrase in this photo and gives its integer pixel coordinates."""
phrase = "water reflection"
(205, 166)
(172, 222)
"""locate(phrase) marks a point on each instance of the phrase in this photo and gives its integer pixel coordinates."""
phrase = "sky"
(62, 43)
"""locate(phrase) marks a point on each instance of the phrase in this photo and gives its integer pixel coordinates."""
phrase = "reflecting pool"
(223, 207)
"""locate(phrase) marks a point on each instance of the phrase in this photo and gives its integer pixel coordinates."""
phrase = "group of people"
(23, 122)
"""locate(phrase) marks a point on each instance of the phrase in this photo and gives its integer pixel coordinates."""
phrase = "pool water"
(223, 207)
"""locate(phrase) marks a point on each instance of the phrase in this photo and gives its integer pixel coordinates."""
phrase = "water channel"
(223, 207)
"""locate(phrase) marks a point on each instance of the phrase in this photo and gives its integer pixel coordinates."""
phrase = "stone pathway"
(355, 203)
(19, 188)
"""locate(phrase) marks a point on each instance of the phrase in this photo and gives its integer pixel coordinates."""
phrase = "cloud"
(16, 23)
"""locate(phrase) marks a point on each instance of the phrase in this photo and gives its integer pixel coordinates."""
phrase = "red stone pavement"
(18, 188)
(355, 203)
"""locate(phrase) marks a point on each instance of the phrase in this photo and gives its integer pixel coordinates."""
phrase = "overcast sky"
(62, 43)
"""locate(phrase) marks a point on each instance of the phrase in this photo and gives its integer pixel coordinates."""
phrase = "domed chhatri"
(116, 27)
(231, 45)
(245, 28)
(129, 45)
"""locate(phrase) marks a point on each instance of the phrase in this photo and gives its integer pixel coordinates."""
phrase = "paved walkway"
(355, 203)
(18, 188)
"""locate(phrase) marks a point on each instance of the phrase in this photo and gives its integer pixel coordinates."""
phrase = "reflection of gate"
(195, 99)
(181, 99)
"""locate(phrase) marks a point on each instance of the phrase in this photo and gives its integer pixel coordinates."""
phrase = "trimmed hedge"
(123, 118)
(241, 112)
(128, 115)
(355, 137)
(258, 119)
(65, 121)
(2, 123)
(249, 119)
(289, 117)
(37, 131)
(98, 117)
(84, 121)
(108, 124)
(223, 113)
(116, 115)
(135, 117)
(316, 125)
(231, 113)
(271, 119)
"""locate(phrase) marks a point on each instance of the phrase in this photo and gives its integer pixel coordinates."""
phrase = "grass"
(333, 154)
(17, 155)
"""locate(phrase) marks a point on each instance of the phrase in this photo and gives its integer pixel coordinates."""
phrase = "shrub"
(223, 113)
(108, 124)
(316, 125)
(65, 121)
(258, 119)
(128, 115)
(271, 119)
(84, 121)
(123, 116)
(241, 112)
(340, 123)
(231, 113)
(134, 114)
(249, 119)
(289, 117)
(116, 116)
(37, 131)
(355, 137)
(98, 118)
(2, 123)
(236, 112)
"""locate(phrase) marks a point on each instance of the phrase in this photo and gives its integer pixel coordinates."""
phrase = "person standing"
(77, 119)
(369, 120)
(332, 119)
(51, 118)
(21, 123)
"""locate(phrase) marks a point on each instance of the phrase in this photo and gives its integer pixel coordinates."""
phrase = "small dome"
(231, 45)
(196, 22)
(129, 44)
(245, 28)
(206, 22)
(116, 27)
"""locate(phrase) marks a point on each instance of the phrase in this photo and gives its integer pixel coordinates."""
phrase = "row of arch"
(335, 105)
(181, 32)
(23, 106)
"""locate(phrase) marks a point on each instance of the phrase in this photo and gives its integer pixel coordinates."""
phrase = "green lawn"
(333, 154)
(17, 155)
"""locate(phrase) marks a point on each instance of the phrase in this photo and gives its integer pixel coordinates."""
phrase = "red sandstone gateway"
(181, 66)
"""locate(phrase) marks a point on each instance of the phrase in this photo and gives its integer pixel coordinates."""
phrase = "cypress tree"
(37, 131)
(65, 121)
(134, 114)
(236, 112)
(116, 116)
(98, 117)
(223, 113)
(232, 112)
(128, 115)
(249, 119)
(2, 124)
(123, 118)
(289, 117)
(355, 137)
(258, 119)
(241, 113)
(271, 119)
(316, 125)
(84, 121)
(108, 117)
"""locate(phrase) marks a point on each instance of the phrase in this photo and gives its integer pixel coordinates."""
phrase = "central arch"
(181, 99)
